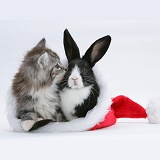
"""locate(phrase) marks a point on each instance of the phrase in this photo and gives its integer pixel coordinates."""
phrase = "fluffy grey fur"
(35, 86)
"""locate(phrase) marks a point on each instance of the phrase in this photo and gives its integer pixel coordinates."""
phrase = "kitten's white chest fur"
(70, 98)
(46, 101)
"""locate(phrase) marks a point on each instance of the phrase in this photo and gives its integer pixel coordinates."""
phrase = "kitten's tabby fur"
(35, 86)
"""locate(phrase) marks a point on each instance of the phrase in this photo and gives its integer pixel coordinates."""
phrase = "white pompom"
(153, 111)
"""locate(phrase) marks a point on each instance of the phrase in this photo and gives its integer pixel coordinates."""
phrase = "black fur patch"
(89, 103)
(40, 124)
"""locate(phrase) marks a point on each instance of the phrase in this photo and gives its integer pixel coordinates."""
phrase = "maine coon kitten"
(35, 86)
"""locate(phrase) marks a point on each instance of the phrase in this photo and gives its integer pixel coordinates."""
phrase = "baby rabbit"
(79, 90)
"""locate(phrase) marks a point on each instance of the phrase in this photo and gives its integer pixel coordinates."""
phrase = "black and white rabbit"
(79, 90)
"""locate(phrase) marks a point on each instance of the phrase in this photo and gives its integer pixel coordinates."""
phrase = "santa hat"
(104, 114)
(122, 107)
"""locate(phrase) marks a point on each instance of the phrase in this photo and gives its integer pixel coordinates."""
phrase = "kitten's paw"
(27, 125)
(39, 119)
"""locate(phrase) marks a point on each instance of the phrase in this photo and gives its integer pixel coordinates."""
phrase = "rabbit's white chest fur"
(70, 98)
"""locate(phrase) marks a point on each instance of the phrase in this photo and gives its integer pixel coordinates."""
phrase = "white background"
(81, 10)
(132, 65)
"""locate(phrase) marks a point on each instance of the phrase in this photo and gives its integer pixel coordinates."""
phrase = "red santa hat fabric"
(122, 107)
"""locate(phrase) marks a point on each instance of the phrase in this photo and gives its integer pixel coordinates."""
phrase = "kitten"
(35, 86)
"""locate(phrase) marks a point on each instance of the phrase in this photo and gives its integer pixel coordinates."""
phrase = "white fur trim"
(11, 110)
(153, 111)
(93, 117)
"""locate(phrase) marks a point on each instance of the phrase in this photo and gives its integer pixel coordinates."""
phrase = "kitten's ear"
(41, 43)
(43, 60)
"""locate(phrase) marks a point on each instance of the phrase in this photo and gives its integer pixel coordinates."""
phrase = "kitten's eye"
(57, 67)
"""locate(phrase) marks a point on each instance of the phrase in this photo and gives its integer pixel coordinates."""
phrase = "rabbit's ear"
(70, 46)
(97, 50)
(41, 43)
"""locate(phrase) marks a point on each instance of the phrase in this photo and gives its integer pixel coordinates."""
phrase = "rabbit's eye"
(85, 70)
(58, 67)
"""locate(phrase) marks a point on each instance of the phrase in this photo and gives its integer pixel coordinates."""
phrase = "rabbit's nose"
(74, 78)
